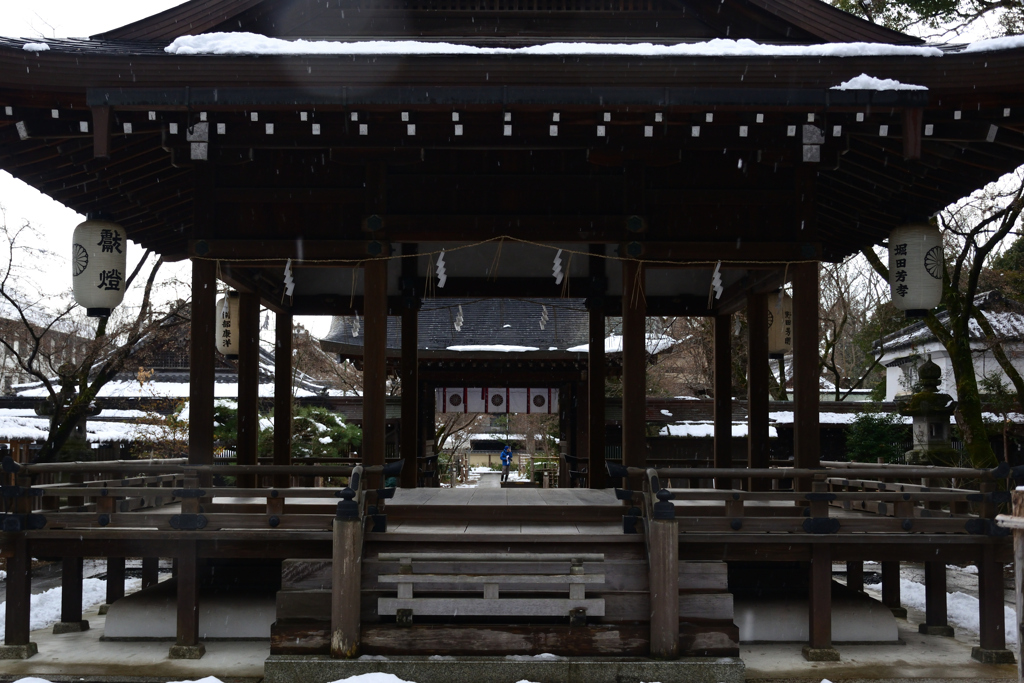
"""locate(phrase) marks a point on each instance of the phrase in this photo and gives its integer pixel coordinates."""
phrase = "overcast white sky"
(66, 19)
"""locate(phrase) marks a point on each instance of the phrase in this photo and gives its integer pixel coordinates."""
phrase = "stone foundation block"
(820, 654)
(187, 651)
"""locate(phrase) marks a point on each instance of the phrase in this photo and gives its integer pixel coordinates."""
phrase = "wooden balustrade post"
(115, 582)
(19, 599)
(71, 620)
(855, 575)
(663, 542)
(150, 571)
(935, 600)
(819, 647)
(187, 645)
(992, 648)
(346, 584)
(891, 589)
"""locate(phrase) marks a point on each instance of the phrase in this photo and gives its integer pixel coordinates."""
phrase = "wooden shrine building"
(641, 155)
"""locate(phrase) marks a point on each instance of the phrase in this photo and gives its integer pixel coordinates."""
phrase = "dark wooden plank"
(663, 549)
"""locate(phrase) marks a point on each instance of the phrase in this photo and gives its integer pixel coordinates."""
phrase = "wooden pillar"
(115, 582)
(891, 589)
(410, 392)
(935, 600)
(71, 597)
(346, 584)
(150, 571)
(248, 385)
(19, 598)
(855, 575)
(806, 380)
(663, 543)
(819, 647)
(634, 366)
(375, 298)
(757, 387)
(581, 421)
(722, 347)
(596, 372)
(187, 645)
(201, 364)
(283, 396)
(992, 649)
(427, 425)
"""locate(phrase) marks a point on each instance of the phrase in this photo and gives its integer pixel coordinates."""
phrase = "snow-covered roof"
(171, 390)
(705, 430)
(1005, 315)
(35, 429)
(254, 44)
(656, 343)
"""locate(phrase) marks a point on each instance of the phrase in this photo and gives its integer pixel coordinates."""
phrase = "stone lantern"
(931, 412)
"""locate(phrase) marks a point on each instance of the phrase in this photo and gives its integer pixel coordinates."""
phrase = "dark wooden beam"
(252, 253)
(201, 364)
(807, 436)
(248, 384)
(634, 366)
(375, 328)
(101, 131)
(722, 344)
(742, 254)
(284, 337)
(409, 371)
(757, 387)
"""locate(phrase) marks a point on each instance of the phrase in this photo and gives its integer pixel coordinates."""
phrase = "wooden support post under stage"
(992, 647)
(19, 599)
(201, 364)
(935, 623)
(855, 575)
(187, 645)
(757, 387)
(806, 430)
(115, 582)
(819, 648)
(283, 397)
(663, 544)
(722, 347)
(346, 587)
(634, 366)
(598, 477)
(71, 597)
(891, 589)
(375, 376)
(150, 571)
(409, 370)
(248, 385)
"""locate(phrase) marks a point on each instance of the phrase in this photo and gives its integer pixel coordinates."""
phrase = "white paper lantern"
(780, 325)
(98, 266)
(226, 328)
(915, 268)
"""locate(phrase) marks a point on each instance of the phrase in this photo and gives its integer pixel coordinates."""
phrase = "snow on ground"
(254, 44)
(962, 609)
(45, 607)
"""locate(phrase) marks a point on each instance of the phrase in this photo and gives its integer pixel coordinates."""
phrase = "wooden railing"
(895, 507)
(135, 500)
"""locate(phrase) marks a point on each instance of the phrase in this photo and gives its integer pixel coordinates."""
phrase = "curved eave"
(61, 76)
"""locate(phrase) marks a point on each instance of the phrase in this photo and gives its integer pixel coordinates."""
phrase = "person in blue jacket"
(506, 461)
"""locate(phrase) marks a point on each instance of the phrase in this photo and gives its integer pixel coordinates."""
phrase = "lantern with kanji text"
(98, 263)
(915, 268)
(227, 325)
(780, 324)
